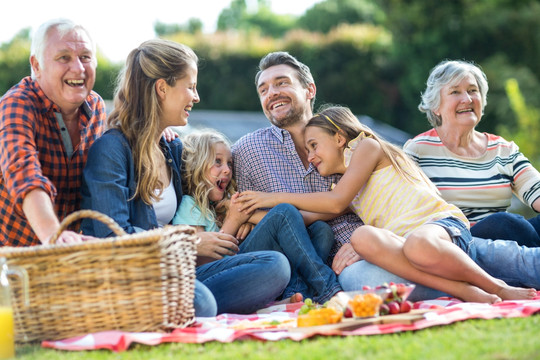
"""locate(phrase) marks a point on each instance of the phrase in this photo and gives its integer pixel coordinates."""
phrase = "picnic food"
(308, 305)
(320, 316)
(395, 301)
(382, 300)
(393, 307)
(364, 305)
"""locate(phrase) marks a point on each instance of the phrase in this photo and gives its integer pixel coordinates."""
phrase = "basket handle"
(92, 214)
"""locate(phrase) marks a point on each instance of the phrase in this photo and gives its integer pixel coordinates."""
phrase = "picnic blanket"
(273, 323)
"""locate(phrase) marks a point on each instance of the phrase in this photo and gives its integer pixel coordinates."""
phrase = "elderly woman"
(478, 172)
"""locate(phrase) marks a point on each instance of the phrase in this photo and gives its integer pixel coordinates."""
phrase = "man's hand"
(344, 257)
(216, 244)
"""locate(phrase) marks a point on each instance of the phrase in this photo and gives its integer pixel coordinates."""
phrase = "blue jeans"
(361, 273)
(515, 264)
(244, 283)
(282, 229)
(503, 259)
(205, 304)
(508, 226)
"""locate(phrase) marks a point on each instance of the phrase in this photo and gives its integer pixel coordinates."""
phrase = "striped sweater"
(478, 186)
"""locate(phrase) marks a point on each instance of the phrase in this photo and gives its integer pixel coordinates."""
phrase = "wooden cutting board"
(351, 324)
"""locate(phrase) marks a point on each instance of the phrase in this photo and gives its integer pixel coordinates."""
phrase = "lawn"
(498, 339)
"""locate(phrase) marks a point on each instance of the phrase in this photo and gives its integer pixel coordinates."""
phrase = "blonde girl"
(410, 230)
(206, 204)
(207, 173)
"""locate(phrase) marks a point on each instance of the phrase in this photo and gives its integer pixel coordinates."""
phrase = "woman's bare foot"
(297, 297)
(471, 293)
(516, 293)
(507, 292)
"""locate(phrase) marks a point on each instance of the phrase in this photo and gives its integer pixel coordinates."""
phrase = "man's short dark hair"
(284, 58)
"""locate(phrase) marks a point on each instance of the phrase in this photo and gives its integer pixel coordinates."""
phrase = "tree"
(268, 23)
(263, 20)
(527, 133)
(192, 26)
(328, 14)
(14, 60)
(491, 33)
(232, 17)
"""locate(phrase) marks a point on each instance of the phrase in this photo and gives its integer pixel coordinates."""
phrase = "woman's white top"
(165, 208)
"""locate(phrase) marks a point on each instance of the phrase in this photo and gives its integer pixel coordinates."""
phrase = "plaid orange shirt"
(32, 155)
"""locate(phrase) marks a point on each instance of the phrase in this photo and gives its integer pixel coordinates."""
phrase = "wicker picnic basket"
(134, 283)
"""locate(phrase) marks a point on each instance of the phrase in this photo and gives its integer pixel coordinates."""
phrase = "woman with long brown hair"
(133, 175)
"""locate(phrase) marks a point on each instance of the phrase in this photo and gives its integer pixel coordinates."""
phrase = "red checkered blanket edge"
(231, 327)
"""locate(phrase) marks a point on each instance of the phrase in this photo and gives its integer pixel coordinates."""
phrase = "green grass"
(498, 339)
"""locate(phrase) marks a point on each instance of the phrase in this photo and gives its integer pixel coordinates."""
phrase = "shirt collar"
(48, 105)
(279, 133)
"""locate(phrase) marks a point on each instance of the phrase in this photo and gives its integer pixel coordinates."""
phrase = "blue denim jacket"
(109, 182)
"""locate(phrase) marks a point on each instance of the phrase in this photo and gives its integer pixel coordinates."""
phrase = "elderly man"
(47, 124)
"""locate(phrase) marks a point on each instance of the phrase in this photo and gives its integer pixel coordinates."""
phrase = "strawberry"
(384, 309)
(406, 306)
(393, 307)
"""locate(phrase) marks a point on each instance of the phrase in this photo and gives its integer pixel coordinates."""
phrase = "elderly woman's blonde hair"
(449, 72)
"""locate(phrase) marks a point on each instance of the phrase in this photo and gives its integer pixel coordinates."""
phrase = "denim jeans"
(515, 264)
(503, 259)
(244, 283)
(205, 304)
(508, 226)
(282, 229)
(361, 273)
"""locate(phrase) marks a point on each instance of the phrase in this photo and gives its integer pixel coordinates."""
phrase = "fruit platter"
(385, 303)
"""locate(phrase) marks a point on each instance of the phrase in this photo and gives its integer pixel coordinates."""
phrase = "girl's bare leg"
(430, 249)
(385, 249)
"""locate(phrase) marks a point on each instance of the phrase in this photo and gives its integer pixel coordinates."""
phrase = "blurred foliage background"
(371, 55)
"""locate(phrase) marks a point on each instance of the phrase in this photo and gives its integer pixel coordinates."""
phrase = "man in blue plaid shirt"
(274, 159)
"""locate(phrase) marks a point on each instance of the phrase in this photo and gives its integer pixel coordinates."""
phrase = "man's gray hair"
(40, 38)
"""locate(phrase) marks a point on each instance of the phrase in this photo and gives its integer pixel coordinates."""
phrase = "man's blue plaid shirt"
(266, 160)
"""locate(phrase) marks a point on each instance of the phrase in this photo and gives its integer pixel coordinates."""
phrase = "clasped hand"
(253, 200)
